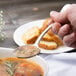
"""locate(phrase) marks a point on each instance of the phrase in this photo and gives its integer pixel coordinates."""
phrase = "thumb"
(62, 15)
(56, 16)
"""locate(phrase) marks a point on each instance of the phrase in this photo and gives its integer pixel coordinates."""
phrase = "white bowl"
(8, 52)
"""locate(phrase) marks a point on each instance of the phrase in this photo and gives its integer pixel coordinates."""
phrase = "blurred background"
(22, 11)
(19, 12)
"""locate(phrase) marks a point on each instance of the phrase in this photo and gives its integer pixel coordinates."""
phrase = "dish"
(49, 41)
(12, 66)
(7, 52)
(21, 30)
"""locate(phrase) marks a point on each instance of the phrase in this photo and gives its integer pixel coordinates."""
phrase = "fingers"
(65, 8)
(69, 39)
(72, 19)
(56, 16)
(56, 27)
(64, 30)
(73, 45)
(61, 17)
(65, 17)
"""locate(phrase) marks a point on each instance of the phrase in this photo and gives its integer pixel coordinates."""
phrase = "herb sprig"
(10, 67)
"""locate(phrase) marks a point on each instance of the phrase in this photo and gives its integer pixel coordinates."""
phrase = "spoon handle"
(42, 34)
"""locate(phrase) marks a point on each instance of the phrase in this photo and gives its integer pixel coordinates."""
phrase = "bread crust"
(30, 36)
(57, 40)
(46, 23)
(47, 37)
(45, 45)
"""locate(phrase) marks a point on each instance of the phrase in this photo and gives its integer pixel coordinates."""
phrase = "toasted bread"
(30, 36)
(47, 37)
(48, 45)
(57, 40)
(50, 32)
(46, 23)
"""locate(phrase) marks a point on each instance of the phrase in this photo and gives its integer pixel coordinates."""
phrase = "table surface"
(17, 14)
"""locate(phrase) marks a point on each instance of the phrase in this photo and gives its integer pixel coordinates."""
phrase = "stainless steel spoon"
(30, 50)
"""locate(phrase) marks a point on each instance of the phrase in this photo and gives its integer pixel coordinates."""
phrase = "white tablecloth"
(61, 64)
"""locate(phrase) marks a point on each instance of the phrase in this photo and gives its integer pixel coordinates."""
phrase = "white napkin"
(61, 64)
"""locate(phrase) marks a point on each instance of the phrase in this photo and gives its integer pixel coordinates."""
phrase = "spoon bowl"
(26, 51)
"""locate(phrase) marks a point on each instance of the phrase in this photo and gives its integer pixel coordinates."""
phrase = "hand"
(67, 18)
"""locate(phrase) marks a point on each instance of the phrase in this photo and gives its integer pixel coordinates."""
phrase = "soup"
(19, 67)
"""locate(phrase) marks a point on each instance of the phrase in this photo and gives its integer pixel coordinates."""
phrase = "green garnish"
(34, 50)
(10, 67)
(10, 72)
(41, 75)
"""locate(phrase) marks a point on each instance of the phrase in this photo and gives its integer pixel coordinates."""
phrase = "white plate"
(19, 32)
(8, 52)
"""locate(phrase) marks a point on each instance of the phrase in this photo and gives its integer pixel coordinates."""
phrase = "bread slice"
(46, 23)
(48, 45)
(57, 40)
(50, 32)
(47, 37)
(30, 36)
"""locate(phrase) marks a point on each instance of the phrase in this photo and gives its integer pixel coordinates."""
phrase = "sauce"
(19, 67)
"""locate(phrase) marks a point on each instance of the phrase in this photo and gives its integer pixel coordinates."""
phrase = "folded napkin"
(61, 64)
